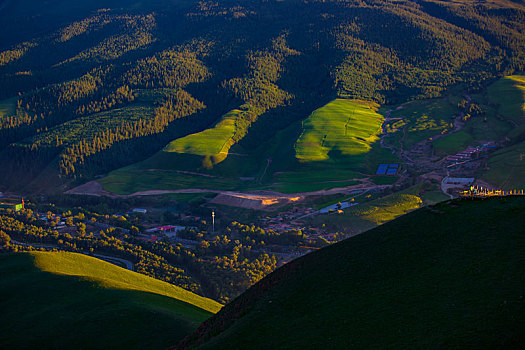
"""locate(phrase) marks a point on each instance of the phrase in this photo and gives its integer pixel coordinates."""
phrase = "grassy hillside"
(378, 211)
(447, 276)
(417, 121)
(210, 142)
(506, 168)
(342, 127)
(68, 300)
(69, 64)
(452, 143)
(509, 94)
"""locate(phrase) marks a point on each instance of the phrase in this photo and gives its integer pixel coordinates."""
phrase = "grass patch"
(130, 179)
(314, 175)
(215, 141)
(89, 268)
(509, 94)
(68, 300)
(384, 180)
(507, 168)
(340, 128)
(310, 187)
(367, 215)
(420, 120)
(453, 143)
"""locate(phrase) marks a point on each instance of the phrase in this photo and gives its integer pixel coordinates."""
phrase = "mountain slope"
(68, 300)
(140, 75)
(447, 276)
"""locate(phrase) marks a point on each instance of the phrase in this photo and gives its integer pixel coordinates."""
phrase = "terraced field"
(340, 128)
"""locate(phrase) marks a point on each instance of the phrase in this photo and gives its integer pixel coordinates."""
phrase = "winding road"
(110, 259)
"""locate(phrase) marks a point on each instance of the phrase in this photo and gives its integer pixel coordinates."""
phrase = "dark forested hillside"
(87, 87)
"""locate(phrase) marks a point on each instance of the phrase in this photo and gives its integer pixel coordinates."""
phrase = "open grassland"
(67, 300)
(272, 166)
(452, 143)
(213, 141)
(507, 168)
(489, 126)
(418, 121)
(509, 94)
(8, 107)
(340, 128)
(310, 187)
(376, 212)
(106, 275)
(129, 180)
(449, 276)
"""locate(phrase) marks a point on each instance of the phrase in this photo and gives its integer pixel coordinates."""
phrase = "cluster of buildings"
(155, 233)
(167, 230)
(469, 154)
(12, 203)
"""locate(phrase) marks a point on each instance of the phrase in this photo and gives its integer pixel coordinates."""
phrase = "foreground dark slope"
(87, 303)
(448, 276)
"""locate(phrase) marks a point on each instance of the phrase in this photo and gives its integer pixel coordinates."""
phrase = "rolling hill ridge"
(58, 299)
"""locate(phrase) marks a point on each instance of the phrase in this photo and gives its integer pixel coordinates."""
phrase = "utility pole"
(213, 221)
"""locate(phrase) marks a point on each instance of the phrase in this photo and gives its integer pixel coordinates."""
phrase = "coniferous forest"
(86, 94)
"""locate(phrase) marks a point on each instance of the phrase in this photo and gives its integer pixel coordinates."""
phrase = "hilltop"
(69, 300)
(449, 275)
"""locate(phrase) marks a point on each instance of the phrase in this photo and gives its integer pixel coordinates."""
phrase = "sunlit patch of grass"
(342, 127)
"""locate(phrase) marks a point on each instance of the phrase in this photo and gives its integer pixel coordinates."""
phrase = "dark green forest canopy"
(136, 75)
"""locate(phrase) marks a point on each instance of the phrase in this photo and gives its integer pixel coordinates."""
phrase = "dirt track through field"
(258, 200)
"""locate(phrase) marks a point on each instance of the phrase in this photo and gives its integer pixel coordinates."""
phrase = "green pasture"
(8, 107)
(210, 142)
(309, 187)
(311, 174)
(384, 179)
(129, 180)
(340, 128)
(488, 127)
(200, 153)
(367, 215)
(452, 143)
(420, 120)
(509, 94)
(507, 168)
(67, 300)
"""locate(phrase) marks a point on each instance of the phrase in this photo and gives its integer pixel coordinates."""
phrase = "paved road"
(129, 265)
(111, 259)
